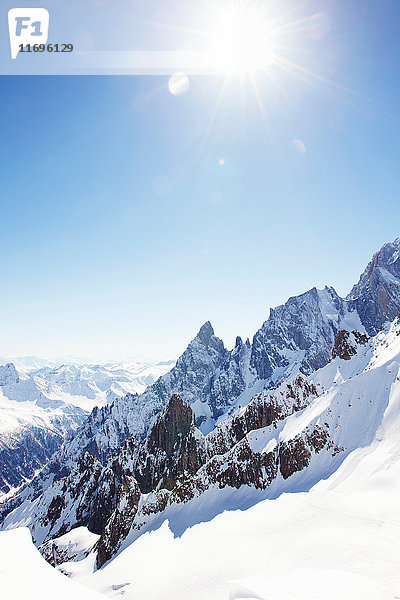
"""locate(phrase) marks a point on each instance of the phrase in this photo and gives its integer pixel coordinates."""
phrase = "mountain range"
(277, 414)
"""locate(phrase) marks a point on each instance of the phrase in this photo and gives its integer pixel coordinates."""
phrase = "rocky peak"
(387, 257)
(238, 342)
(346, 343)
(205, 347)
(205, 334)
(376, 296)
(303, 330)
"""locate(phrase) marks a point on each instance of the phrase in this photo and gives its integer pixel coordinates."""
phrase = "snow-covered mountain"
(32, 426)
(113, 459)
(42, 408)
(334, 435)
(286, 440)
(338, 540)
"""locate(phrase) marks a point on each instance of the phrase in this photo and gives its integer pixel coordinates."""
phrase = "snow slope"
(337, 542)
(74, 545)
(25, 574)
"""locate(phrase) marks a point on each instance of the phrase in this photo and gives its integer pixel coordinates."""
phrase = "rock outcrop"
(346, 343)
(174, 446)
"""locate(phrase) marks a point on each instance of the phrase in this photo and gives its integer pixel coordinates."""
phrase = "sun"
(260, 50)
(241, 41)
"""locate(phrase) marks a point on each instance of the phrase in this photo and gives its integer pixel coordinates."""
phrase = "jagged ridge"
(297, 337)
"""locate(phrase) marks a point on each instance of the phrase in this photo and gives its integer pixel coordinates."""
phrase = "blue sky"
(121, 232)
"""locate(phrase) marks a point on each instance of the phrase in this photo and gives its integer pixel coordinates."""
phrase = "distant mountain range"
(44, 405)
(275, 414)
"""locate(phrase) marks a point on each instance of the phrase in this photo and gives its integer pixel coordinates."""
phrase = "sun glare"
(241, 42)
(261, 48)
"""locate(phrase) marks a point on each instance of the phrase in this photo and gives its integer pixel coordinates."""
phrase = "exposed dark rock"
(245, 467)
(293, 456)
(93, 493)
(346, 343)
(171, 428)
(265, 409)
(318, 438)
(120, 522)
(172, 447)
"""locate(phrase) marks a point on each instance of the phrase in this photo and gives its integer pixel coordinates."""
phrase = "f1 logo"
(27, 26)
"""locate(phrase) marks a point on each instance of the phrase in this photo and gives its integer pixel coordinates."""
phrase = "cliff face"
(174, 446)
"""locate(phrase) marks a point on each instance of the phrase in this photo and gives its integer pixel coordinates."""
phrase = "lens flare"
(223, 167)
(178, 84)
(299, 147)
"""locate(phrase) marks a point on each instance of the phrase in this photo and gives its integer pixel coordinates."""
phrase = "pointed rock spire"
(205, 334)
(238, 342)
